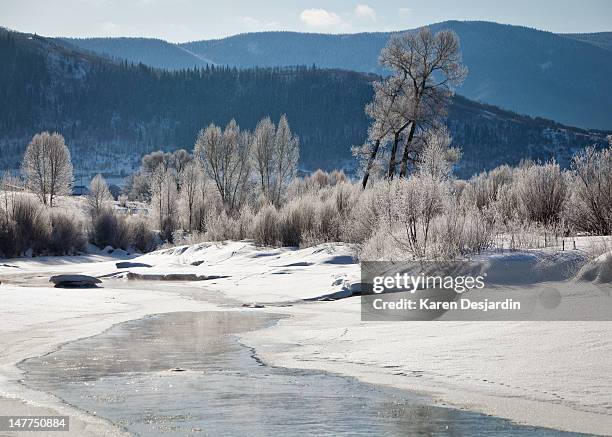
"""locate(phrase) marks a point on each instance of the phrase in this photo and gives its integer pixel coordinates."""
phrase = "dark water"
(218, 387)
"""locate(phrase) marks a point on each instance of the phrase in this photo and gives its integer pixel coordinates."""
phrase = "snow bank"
(598, 270)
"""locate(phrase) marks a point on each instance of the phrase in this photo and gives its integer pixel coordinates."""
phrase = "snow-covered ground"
(554, 374)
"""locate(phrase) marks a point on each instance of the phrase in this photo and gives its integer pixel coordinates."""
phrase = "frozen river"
(186, 374)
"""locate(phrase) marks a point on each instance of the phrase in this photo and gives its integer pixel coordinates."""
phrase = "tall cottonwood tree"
(47, 167)
(391, 113)
(425, 67)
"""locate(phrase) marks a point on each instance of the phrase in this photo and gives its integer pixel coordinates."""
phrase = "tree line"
(238, 183)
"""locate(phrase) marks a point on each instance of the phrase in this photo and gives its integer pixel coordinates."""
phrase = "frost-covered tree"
(287, 151)
(226, 158)
(176, 160)
(263, 155)
(390, 112)
(98, 195)
(431, 64)
(275, 156)
(180, 159)
(164, 199)
(425, 67)
(47, 167)
(190, 181)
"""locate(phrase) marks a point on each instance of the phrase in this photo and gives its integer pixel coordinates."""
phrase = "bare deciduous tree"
(226, 158)
(424, 66)
(287, 150)
(263, 154)
(275, 153)
(47, 167)
(391, 113)
(98, 195)
(190, 181)
(164, 200)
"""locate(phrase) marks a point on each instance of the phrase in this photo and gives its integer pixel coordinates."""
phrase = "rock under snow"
(69, 281)
(129, 264)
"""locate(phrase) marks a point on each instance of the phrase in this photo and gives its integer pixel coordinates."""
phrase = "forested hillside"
(599, 39)
(525, 70)
(113, 112)
(149, 51)
(561, 77)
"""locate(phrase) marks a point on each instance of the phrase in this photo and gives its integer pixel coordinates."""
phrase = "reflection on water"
(185, 374)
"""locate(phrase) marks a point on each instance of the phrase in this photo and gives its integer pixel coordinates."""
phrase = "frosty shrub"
(333, 214)
(315, 182)
(66, 236)
(461, 230)
(507, 206)
(32, 227)
(413, 205)
(141, 237)
(245, 223)
(208, 205)
(266, 231)
(419, 218)
(328, 224)
(26, 225)
(8, 245)
(365, 215)
(109, 229)
(98, 196)
(21, 224)
(484, 189)
(381, 246)
(221, 227)
(590, 206)
(319, 179)
(542, 191)
(297, 219)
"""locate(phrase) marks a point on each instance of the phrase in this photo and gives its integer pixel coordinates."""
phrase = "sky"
(188, 20)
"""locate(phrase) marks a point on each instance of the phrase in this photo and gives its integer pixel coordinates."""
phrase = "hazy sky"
(184, 20)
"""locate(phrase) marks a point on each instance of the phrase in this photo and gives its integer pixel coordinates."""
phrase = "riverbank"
(552, 374)
(36, 320)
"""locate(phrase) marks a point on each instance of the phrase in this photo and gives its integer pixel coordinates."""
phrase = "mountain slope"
(111, 113)
(149, 51)
(599, 39)
(521, 69)
(562, 77)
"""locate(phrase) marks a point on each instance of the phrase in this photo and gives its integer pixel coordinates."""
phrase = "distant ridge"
(112, 112)
(599, 39)
(561, 77)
